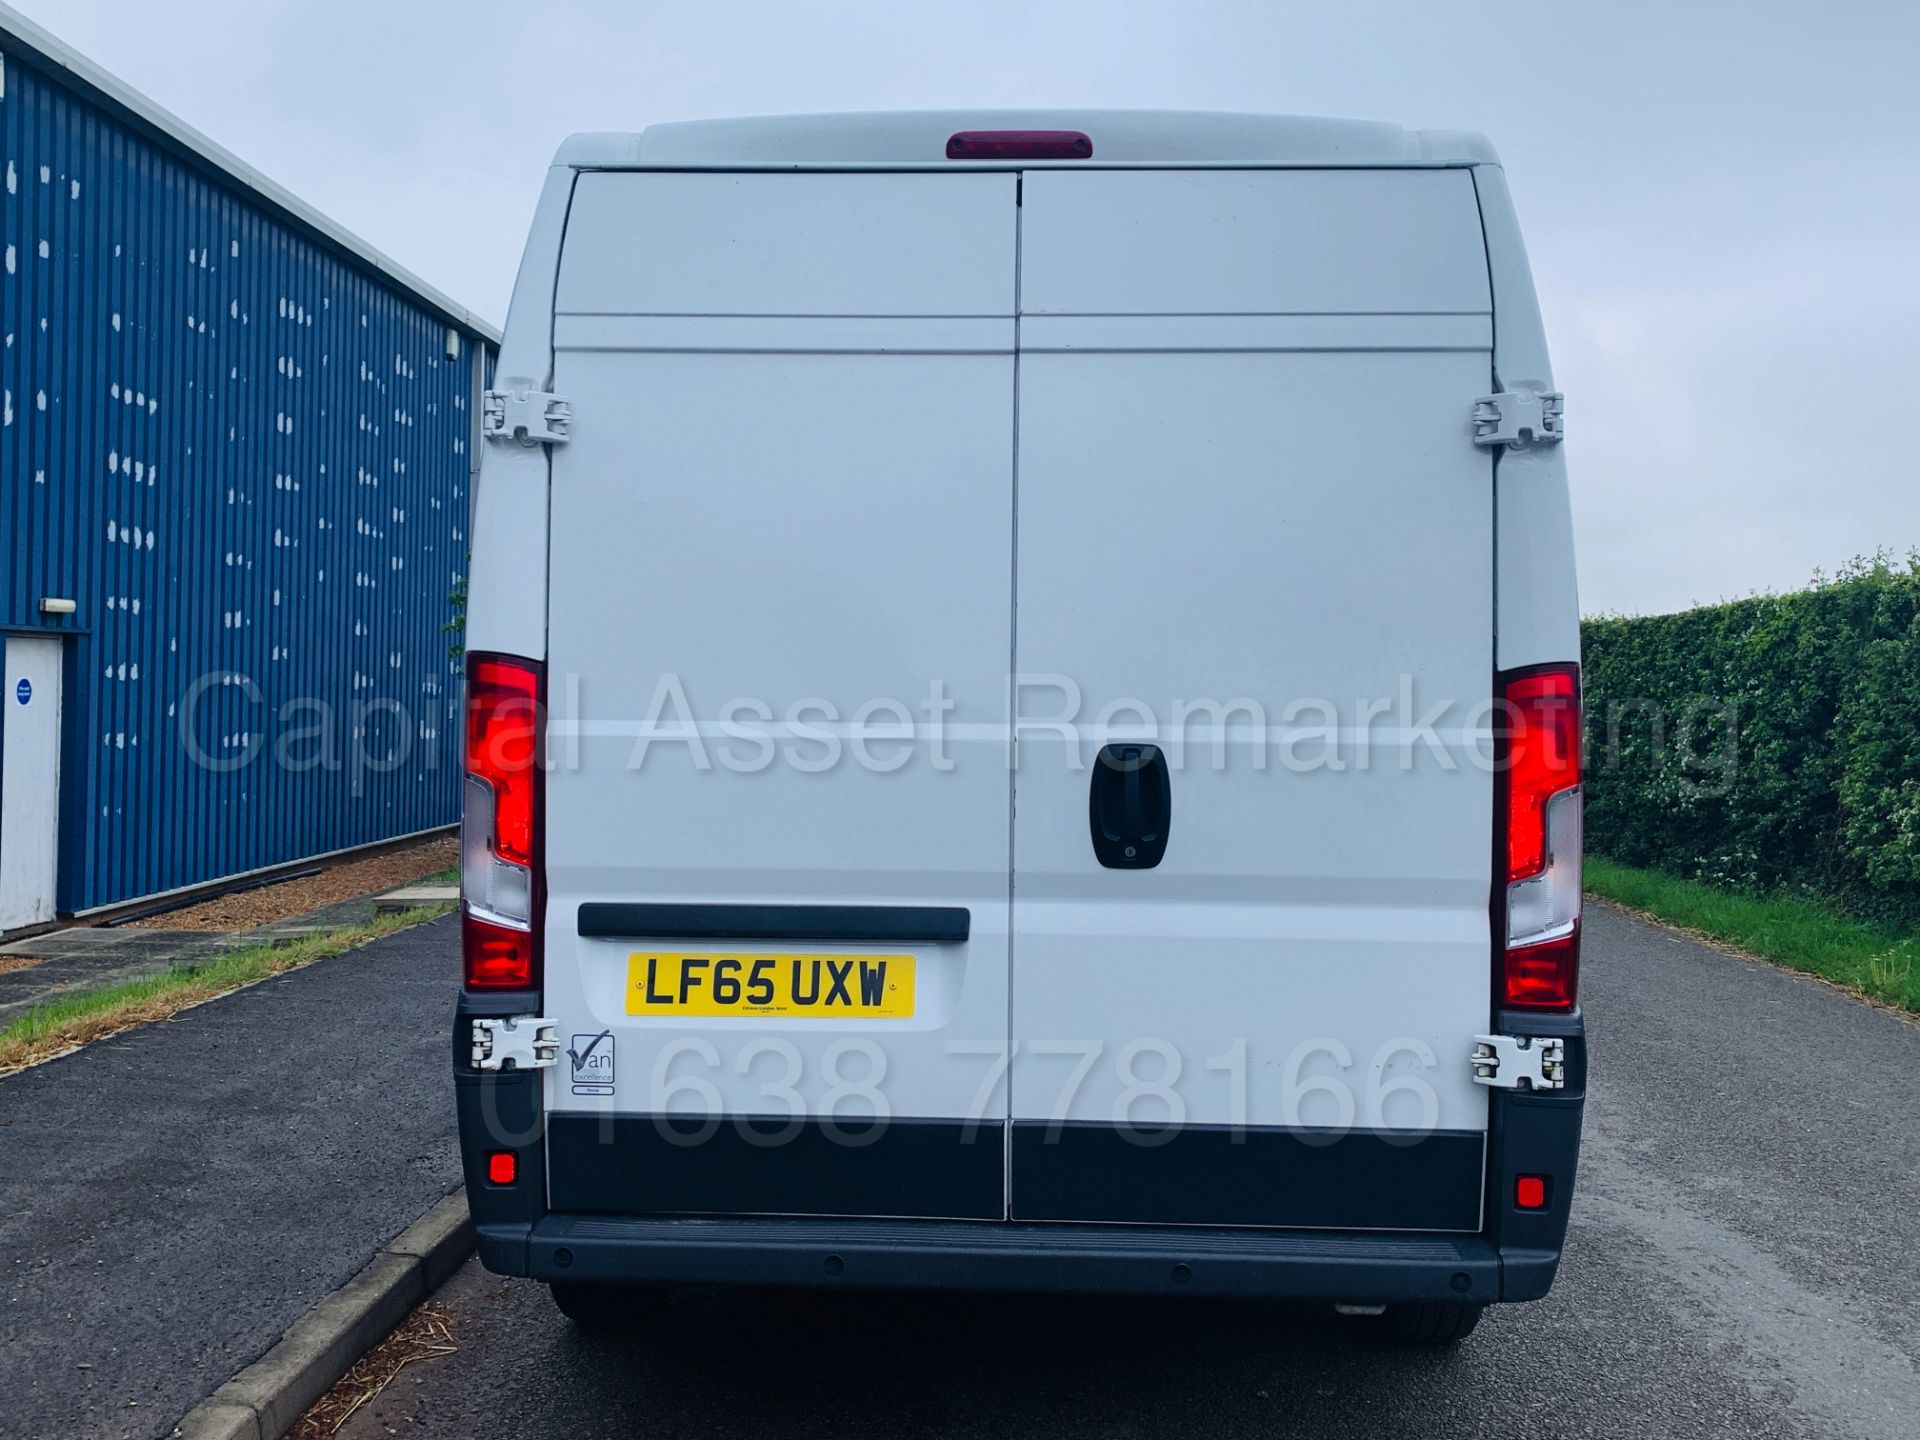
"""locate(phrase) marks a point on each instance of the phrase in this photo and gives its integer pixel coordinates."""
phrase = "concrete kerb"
(264, 1400)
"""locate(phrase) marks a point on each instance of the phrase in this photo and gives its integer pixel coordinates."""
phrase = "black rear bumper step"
(996, 1255)
(863, 924)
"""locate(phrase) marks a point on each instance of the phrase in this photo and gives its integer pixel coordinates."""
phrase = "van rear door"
(1255, 536)
(781, 556)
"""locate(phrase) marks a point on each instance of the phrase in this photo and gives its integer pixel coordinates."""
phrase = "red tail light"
(503, 698)
(1019, 145)
(496, 957)
(1543, 976)
(1542, 759)
(500, 825)
(1539, 765)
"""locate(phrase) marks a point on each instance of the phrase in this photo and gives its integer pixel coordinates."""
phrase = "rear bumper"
(1513, 1257)
(995, 1255)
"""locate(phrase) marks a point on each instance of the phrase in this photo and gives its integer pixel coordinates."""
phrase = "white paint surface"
(29, 781)
(852, 541)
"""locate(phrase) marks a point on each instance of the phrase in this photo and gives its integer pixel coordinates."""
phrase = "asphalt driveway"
(1745, 1262)
(173, 1198)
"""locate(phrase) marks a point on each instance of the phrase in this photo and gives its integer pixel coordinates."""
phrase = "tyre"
(1431, 1322)
(605, 1307)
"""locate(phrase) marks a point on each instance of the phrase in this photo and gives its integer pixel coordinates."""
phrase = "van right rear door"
(1253, 535)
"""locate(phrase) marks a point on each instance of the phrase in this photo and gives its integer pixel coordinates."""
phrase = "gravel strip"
(344, 880)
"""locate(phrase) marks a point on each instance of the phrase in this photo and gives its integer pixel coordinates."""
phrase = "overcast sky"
(1722, 200)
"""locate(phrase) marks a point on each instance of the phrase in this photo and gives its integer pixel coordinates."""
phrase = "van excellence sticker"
(591, 1059)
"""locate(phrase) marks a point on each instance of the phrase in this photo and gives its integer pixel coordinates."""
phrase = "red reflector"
(502, 1167)
(496, 957)
(1544, 976)
(1019, 145)
(502, 706)
(1540, 756)
(1529, 1192)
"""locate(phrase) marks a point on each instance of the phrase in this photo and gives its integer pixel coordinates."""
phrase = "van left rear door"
(781, 558)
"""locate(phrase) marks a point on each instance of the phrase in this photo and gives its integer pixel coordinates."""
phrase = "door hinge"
(1519, 418)
(526, 417)
(521, 1042)
(1519, 1062)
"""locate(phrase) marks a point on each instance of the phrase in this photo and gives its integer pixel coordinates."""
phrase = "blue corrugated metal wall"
(247, 461)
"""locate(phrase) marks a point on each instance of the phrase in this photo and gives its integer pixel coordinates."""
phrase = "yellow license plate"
(805, 987)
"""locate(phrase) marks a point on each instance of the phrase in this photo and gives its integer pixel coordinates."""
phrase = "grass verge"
(1801, 934)
(57, 1026)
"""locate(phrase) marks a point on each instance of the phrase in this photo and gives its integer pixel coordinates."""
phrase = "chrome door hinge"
(1518, 1062)
(1519, 418)
(522, 1042)
(526, 417)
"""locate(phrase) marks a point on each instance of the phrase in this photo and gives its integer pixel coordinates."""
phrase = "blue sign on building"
(23, 692)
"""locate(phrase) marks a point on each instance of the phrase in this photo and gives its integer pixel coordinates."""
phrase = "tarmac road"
(173, 1198)
(1745, 1261)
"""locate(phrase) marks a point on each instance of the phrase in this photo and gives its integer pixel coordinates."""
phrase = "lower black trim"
(775, 1165)
(860, 924)
(1098, 1259)
(1207, 1175)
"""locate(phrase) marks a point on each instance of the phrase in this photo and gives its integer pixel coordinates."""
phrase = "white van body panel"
(1343, 906)
(784, 512)
(1251, 242)
(1539, 603)
(917, 138)
(812, 245)
(507, 570)
(1246, 513)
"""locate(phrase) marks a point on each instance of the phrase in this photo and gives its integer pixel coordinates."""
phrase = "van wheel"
(605, 1307)
(1431, 1322)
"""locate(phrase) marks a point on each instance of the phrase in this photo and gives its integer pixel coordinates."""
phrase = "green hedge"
(1767, 744)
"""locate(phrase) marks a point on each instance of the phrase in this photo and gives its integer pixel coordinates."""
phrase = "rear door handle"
(1129, 806)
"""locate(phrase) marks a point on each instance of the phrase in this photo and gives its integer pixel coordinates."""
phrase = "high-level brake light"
(1540, 778)
(1019, 145)
(500, 824)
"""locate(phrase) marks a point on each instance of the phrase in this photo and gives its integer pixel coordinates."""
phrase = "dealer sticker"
(591, 1060)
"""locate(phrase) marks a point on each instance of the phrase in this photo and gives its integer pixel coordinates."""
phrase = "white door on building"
(29, 780)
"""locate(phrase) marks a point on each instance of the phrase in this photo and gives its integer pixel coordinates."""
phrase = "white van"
(1023, 720)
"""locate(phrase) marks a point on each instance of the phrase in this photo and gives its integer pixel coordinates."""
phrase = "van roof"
(918, 138)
